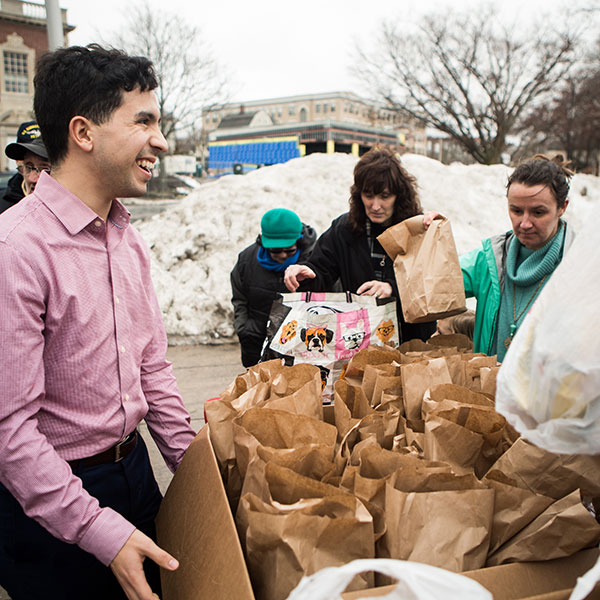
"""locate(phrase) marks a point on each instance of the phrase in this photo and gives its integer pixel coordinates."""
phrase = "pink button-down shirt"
(82, 355)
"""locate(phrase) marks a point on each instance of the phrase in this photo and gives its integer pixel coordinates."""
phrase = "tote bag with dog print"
(326, 329)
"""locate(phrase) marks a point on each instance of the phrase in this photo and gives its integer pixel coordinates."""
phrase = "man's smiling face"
(126, 146)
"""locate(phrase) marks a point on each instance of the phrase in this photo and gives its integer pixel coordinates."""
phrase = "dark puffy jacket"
(342, 254)
(253, 290)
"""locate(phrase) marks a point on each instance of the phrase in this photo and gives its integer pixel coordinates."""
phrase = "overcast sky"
(275, 48)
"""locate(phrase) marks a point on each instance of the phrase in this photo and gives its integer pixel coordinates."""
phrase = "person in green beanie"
(257, 277)
(509, 270)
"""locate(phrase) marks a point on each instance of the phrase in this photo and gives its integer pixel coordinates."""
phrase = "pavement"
(203, 372)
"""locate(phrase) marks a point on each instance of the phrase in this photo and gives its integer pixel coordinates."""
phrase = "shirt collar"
(71, 210)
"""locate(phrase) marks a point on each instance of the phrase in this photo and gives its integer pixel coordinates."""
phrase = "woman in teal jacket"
(509, 270)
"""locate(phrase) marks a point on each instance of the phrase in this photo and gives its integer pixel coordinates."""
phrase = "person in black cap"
(31, 153)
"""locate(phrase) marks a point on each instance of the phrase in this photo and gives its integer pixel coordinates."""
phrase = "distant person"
(383, 194)
(462, 323)
(510, 269)
(32, 158)
(83, 357)
(257, 278)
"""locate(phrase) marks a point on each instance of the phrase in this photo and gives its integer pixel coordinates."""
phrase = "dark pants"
(35, 565)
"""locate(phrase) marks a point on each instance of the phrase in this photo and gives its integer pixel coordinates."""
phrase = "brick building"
(23, 39)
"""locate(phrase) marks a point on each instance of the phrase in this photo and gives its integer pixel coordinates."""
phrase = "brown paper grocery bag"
(460, 341)
(314, 461)
(376, 465)
(371, 375)
(382, 426)
(262, 372)
(474, 366)
(296, 389)
(286, 542)
(514, 508)
(553, 475)
(563, 529)
(441, 519)
(487, 380)
(417, 378)
(306, 526)
(350, 405)
(379, 427)
(448, 395)
(446, 441)
(470, 438)
(372, 355)
(430, 282)
(414, 433)
(276, 429)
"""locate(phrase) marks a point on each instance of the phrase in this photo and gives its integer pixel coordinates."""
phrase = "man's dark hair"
(542, 170)
(379, 170)
(82, 81)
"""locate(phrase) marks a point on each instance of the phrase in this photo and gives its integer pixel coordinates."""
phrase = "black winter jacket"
(13, 193)
(254, 288)
(342, 254)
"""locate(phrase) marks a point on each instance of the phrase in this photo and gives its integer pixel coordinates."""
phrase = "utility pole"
(56, 38)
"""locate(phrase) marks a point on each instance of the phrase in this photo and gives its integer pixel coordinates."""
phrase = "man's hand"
(294, 274)
(127, 565)
(379, 289)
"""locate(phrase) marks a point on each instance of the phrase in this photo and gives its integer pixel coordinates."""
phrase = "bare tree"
(190, 77)
(571, 123)
(467, 75)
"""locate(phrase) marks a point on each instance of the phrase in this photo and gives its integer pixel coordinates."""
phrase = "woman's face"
(534, 213)
(379, 207)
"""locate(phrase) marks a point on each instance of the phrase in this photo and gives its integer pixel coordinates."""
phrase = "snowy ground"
(194, 244)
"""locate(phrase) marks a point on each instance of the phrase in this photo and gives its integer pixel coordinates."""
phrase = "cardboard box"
(195, 524)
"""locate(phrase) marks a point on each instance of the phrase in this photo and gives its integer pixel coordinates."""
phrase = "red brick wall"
(33, 37)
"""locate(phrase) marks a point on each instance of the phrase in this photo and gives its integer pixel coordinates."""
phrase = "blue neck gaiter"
(266, 260)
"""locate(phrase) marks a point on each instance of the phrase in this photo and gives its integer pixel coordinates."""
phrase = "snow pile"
(194, 245)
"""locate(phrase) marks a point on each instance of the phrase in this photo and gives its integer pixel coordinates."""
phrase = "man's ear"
(80, 133)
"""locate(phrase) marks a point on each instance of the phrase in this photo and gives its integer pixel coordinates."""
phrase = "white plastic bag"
(548, 387)
(416, 581)
(586, 583)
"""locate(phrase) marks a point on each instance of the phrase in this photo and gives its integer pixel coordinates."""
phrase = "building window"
(16, 77)
(291, 109)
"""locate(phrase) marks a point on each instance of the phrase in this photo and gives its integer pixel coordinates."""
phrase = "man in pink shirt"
(83, 345)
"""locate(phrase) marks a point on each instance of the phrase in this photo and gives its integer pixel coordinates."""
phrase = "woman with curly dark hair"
(509, 270)
(348, 253)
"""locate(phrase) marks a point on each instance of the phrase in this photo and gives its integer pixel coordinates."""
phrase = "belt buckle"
(118, 457)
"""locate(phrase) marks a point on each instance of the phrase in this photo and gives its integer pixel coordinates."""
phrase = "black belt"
(113, 455)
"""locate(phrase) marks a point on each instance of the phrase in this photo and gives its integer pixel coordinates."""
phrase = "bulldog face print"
(316, 338)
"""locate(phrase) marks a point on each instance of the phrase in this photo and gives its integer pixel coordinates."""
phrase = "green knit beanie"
(280, 228)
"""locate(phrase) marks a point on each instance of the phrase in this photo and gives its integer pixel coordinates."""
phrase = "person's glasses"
(286, 251)
(26, 169)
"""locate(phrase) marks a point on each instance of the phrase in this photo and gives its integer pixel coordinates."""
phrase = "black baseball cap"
(28, 139)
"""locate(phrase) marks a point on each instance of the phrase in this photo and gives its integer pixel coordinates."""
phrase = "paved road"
(202, 372)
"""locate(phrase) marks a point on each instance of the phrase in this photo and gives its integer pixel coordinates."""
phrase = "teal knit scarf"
(527, 272)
